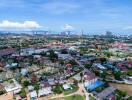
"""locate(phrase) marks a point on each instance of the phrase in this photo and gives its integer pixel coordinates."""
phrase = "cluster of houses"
(18, 64)
(34, 65)
(41, 92)
(91, 83)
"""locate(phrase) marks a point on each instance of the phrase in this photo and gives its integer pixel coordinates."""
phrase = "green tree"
(43, 54)
(103, 60)
(75, 82)
(36, 86)
(130, 98)
(11, 81)
(129, 73)
(2, 92)
(108, 54)
(87, 66)
(61, 62)
(121, 93)
(64, 51)
(53, 56)
(58, 89)
(22, 93)
(26, 83)
(73, 62)
(117, 75)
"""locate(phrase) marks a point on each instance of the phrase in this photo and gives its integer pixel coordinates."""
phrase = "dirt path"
(81, 91)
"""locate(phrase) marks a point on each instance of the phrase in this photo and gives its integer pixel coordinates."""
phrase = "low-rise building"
(13, 85)
(33, 95)
(105, 93)
(44, 91)
(99, 66)
(89, 78)
(30, 88)
(67, 86)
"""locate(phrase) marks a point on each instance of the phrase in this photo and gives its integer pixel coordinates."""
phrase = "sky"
(91, 16)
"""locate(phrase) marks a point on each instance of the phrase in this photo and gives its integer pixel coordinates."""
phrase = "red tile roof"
(7, 51)
(130, 62)
(89, 75)
(68, 65)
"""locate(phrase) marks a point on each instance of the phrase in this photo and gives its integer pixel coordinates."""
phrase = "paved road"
(85, 92)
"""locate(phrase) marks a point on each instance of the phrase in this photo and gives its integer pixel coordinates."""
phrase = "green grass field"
(74, 89)
(74, 97)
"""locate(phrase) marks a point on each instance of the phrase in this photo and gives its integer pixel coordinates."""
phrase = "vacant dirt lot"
(123, 87)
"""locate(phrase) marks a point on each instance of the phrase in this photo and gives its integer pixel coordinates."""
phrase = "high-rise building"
(108, 34)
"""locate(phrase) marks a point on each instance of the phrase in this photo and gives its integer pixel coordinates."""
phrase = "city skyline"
(93, 16)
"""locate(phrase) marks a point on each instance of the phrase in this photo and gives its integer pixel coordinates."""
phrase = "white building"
(128, 80)
(67, 86)
(14, 86)
(24, 71)
(33, 95)
(64, 56)
(99, 66)
(30, 88)
(89, 78)
(44, 91)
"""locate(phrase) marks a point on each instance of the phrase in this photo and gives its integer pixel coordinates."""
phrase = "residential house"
(106, 92)
(89, 78)
(67, 86)
(13, 86)
(33, 95)
(44, 91)
(98, 65)
(30, 88)
(8, 51)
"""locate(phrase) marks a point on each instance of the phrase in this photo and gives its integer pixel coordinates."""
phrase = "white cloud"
(127, 28)
(24, 25)
(68, 27)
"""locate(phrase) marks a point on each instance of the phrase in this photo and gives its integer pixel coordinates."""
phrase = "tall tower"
(82, 32)
(108, 33)
(68, 32)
